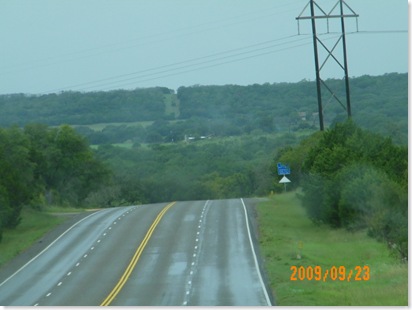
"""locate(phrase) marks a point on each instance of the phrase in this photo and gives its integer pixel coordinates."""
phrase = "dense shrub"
(355, 179)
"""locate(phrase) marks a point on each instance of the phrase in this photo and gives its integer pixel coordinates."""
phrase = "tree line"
(76, 108)
(209, 169)
(45, 166)
(379, 104)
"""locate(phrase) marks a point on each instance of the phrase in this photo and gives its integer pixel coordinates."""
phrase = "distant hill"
(379, 103)
(84, 108)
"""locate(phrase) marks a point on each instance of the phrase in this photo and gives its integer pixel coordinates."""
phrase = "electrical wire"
(146, 78)
(156, 76)
(205, 62)
(188, 63)
(380, 31)
(193, 64)
(145, 40)
(201, 68)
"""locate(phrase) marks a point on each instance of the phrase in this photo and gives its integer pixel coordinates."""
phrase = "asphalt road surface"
(197, 253)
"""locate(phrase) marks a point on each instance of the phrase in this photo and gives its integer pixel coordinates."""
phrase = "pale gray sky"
(55, 45)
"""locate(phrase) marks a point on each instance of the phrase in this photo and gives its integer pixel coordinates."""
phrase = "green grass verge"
(33, 226)
(285, 231)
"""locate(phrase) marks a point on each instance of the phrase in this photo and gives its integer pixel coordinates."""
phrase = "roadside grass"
(33, 226)
(285, 231)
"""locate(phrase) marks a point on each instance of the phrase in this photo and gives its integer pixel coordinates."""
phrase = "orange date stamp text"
(341, 273)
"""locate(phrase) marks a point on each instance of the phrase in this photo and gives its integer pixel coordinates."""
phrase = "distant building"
(193, 138)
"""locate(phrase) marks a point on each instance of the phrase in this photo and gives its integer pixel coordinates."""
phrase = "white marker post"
(284, 180)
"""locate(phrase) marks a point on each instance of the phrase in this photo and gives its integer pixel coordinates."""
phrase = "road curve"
(197, 253)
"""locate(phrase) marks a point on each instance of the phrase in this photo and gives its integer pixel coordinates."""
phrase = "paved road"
(195, 253)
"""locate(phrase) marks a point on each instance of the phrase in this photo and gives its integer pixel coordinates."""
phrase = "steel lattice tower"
(343, 63)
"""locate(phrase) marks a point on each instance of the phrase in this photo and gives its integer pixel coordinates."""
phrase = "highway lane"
(201, 255)
(63, 275)
(227, 274)
(198, 254)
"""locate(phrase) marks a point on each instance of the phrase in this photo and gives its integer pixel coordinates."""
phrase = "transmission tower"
(337, 12)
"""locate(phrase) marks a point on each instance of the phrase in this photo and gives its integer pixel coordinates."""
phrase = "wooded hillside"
(77, 108)
(379, 104)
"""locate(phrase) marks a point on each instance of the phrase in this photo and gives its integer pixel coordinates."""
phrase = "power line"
(208, 61)
(202, 67)
(191, 65)
(381, 31)
(359, 32)
(181, 62)
(147, 39)
(187, 63)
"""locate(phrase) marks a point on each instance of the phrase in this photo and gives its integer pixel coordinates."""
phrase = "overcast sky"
(88, 45)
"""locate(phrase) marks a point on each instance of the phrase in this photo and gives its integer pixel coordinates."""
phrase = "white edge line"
(44, 250)
(254, 256)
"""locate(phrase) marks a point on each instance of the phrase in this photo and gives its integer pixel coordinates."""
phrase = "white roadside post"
(284, 180)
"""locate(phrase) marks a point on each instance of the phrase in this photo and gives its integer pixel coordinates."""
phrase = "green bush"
(355, 179)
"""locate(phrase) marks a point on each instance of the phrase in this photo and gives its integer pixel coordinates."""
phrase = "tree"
(65, 166)
(16, 172)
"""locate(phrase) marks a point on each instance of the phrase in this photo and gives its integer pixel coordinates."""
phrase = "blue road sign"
(283, 169)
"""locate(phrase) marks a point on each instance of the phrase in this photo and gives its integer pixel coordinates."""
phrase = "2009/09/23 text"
(341, 273)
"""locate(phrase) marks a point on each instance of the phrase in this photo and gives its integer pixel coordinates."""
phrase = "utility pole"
(330, 52)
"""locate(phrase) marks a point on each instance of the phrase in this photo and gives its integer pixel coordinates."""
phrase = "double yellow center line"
(135, 258)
